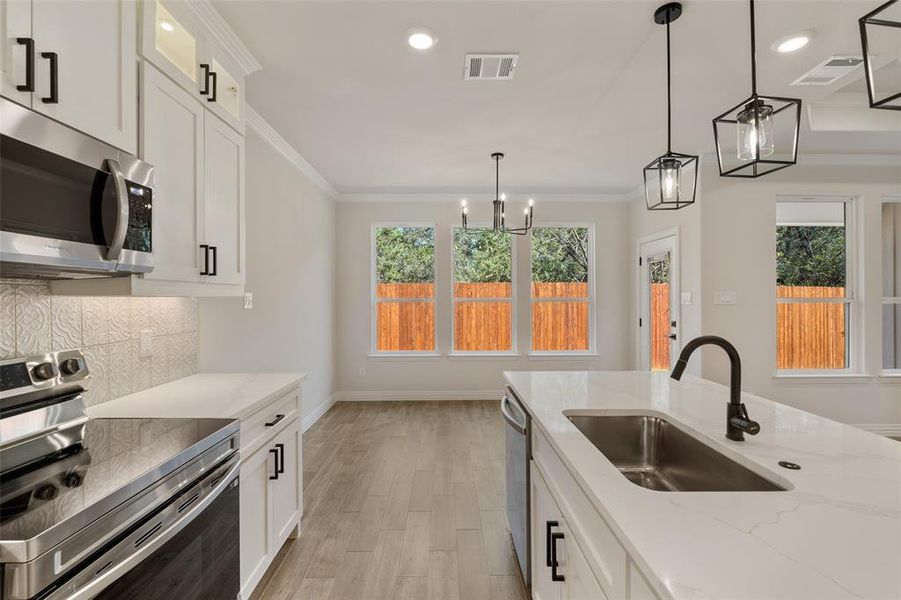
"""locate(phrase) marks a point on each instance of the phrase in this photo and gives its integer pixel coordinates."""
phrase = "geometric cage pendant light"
(759, 135)
(670, 180)
(880, 33)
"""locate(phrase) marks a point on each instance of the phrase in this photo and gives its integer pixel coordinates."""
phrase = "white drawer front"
(265, 424)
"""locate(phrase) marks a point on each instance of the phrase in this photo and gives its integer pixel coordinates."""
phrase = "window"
(891, 286)
(814, 287)
(561, 289)
(483, 291)
(403, 295)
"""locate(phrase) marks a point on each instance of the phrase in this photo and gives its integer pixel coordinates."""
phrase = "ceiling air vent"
(829, 71)
(490, 66)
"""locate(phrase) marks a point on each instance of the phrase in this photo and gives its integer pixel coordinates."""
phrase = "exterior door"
(658, 323)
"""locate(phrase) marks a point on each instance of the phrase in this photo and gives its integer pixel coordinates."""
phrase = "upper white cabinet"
(74, 62)
(174, 39)
(224, 203)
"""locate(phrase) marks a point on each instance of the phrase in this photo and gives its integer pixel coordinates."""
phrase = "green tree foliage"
(560, 254)
(810, 256)
(482, 256)
(405, 254)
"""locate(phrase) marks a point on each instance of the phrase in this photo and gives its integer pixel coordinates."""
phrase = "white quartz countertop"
(835, 534)
(205, 395)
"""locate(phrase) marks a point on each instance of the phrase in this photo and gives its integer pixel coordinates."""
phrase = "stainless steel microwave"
(71, 206)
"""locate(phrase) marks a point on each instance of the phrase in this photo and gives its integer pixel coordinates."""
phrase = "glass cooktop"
(113, 454)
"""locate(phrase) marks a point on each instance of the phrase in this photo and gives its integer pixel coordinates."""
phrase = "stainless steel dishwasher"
(517, 431)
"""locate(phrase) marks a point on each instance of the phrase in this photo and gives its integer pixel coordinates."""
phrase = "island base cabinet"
(255, 522)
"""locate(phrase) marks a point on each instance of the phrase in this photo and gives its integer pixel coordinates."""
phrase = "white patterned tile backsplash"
(107, 329)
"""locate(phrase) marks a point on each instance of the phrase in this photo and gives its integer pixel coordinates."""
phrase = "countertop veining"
(835, 534)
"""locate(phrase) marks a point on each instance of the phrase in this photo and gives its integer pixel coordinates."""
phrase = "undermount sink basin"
(657, 455)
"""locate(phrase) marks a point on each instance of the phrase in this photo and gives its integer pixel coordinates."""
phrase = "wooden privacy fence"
(482, 324)
(810, 335)
(660, 327)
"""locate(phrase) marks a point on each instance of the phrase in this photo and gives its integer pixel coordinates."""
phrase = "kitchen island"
(833, 532)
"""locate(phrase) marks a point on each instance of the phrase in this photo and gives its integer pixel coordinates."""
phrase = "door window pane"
(891, 285)
(659, 297)
(483, 291)
(405, 289)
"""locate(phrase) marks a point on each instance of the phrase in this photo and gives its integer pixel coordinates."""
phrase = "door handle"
(547, 538)
(212, 97)
(206, 259)
(215, 270)
(53, 98)
(554, 563)
(281, 457)
(205, 78)
(516, 425)
(274, 451)
(29, 64)
(275, 421)
(672, 336)
(118, 241)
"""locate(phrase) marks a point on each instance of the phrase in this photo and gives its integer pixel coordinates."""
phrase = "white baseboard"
(886, 429)
(310, 419)
(362, 396)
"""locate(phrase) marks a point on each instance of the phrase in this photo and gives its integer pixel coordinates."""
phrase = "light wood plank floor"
(403, 501)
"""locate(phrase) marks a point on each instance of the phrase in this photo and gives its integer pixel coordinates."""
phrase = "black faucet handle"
(743, 422)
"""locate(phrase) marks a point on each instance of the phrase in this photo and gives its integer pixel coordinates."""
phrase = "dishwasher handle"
(520, 428)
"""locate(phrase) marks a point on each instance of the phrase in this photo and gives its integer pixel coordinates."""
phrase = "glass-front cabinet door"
(172, 41)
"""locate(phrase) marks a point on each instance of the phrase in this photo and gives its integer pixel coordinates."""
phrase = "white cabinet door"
(171, 40)
(580, 581)
(255, 518)
(285, 490)
(224, 205)
(172, 141)
(96, 79)
(15, 25)
(225, 95)
(546, 521)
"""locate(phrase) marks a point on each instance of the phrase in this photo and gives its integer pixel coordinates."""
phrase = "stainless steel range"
(110, 508)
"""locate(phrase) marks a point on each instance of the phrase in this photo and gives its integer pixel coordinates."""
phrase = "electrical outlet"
(248, 300)
(362, 372)
(145, 343)
(724, 298)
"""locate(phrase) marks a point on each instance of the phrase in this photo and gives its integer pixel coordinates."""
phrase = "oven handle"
(115, 247)
(516, 425)
(106, 578)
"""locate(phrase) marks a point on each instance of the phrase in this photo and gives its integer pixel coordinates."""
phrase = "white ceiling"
(584, 112)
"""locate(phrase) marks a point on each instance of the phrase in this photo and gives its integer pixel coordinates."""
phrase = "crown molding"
(455, 197)
(207, 14)
(268, 133)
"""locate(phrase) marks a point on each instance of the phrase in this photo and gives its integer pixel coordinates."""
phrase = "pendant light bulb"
(755, 130)
(670, 175)
(531, 202)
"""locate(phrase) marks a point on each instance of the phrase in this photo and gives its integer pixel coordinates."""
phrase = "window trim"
(854, 363)
(592, 323)
(887, 374)
(374, 300)
(514, 346)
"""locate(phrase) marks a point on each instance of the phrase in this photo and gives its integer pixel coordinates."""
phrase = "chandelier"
(499, 222)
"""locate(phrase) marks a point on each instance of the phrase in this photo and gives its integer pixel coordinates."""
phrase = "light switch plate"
(248, 300)
(145, 343)
(724, 298)
(686, 297)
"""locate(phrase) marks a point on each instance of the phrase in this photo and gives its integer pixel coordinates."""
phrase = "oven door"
(69, 203)
(518, 453)
(187, 551)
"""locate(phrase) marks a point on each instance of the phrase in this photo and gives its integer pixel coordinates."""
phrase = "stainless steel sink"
(655, 454)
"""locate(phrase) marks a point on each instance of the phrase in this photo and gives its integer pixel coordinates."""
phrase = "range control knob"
(46, 492)
(72, 480)
(70, 366)
(43, 371)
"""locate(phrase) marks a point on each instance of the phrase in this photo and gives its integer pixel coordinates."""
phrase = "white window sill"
(403, 356)
(890, 376)
(563, 355)
(483, 355)
(821, 377)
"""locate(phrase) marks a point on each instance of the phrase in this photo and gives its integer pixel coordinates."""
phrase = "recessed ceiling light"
(167, 26)
(793, 42)
(421, 39)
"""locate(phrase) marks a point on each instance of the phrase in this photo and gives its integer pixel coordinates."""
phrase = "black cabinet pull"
(547, 539)
(29, 64)
(274, 451)
(281, 460)
(206, 259)
(215, 270)
(212, 97)
(554, 563)
(274, 421)
(53, 98)
(205, 79)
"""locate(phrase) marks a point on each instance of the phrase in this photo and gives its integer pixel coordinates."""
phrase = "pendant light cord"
(669, 110)
(753, 54)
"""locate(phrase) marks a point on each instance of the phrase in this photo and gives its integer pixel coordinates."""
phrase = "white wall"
(470, 375)
(738, 220)
(290, 271)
